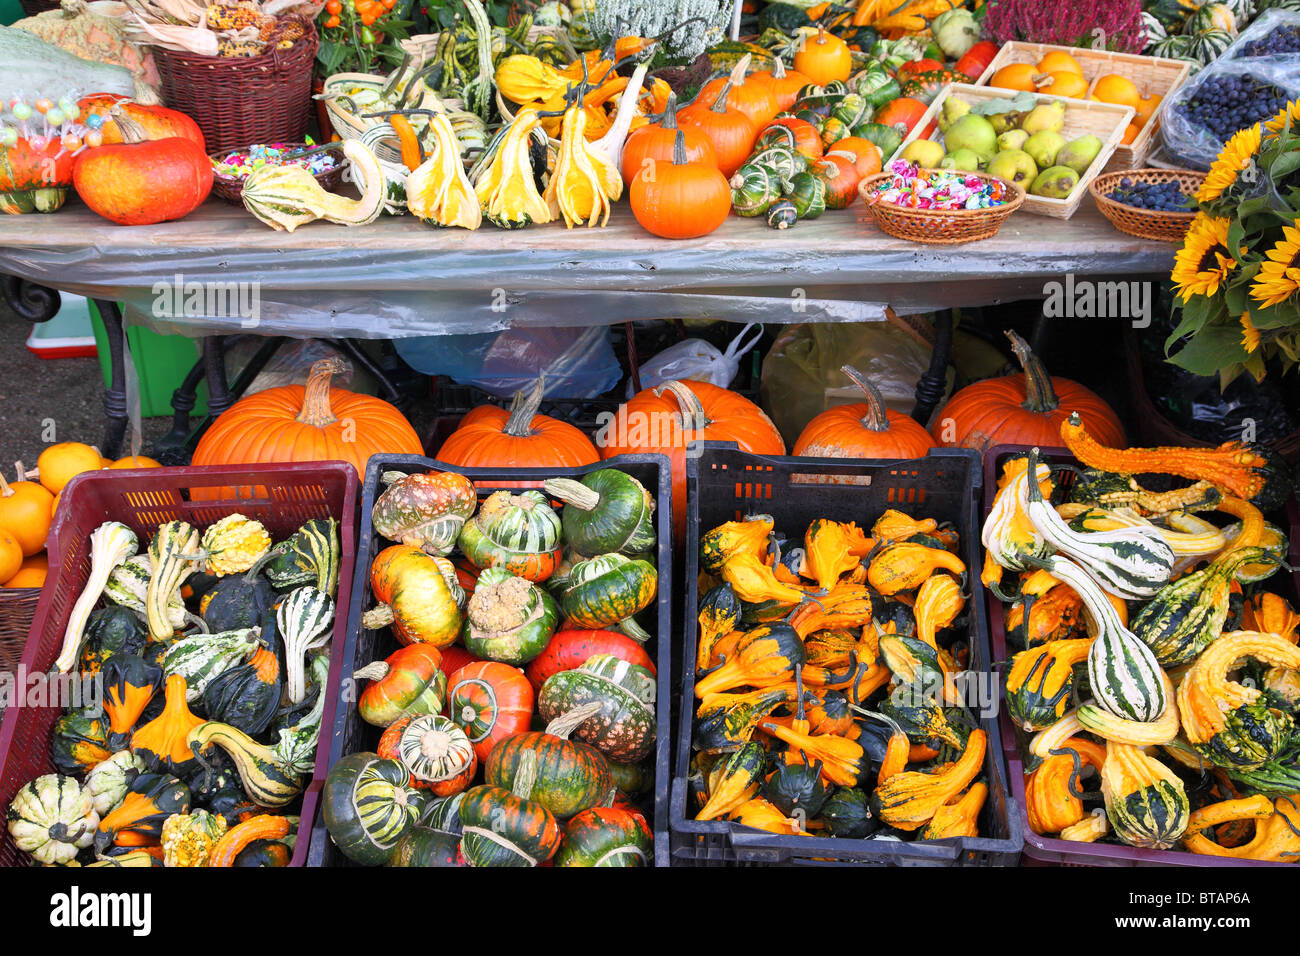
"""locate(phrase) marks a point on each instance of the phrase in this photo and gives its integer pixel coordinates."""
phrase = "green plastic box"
(161, 364)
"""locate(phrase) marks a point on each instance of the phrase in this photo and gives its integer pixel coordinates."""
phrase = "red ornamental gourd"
(653, 143)
(142, 181)
(409, 681)
(807, 139)
(665, 420)
(1022, 409)
(492, 437)
(681, 199)
(490, 701)
(863, 430)
(307, 423)
(571, 647)
(903, 114)
(731, 131)
(840, 174)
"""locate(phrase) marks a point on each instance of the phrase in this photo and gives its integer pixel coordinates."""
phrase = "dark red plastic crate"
(1042, 850)
(282, 497)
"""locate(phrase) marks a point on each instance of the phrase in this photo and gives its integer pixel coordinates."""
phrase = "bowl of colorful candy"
(1156, 204)
(939, 205)
(231, 168)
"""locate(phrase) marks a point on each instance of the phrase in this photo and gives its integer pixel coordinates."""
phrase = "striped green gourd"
(1172, 47)
(608, 510)
(1212, 16)
(1130, 563)
(607, 589)
(1187, 615)
(303, 619)
(754, 188)
(511, 531)
(1155, 30)
(808, 193)
(623, 728)
(309, 556)
(202, 657)
(1124, 674)
(128, 583)
(368, 806)
(1210, 45)
(1146, 802)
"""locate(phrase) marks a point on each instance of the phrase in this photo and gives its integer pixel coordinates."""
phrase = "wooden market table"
(398, 278)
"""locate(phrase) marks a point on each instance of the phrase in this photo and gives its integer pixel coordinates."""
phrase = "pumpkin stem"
(567, 723)
(132, 132)
(1039, 394)
(375, 670)
(778, 69)
(316, 401)
(692, 409)
(381, 615)
(875, 419)
(572, 493)
(720, 101)
(525, 775)
(5, 490)
(669, 120)
(679, 149)
(523, 408)
(738, 71)
(632, 629)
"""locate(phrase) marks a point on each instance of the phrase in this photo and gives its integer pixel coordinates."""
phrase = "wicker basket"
(1146, 223)
(231, 188)
(1104, 120)
(17, 608)
(242, 100)
(940, 226)
(1153, 76)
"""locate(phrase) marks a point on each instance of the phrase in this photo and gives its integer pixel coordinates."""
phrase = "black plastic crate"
(725, 484)
(350, 734)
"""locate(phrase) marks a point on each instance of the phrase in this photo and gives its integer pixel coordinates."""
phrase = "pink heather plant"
(1068, 23)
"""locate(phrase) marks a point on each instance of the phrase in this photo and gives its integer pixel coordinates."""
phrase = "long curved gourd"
(286, 197)
(110, 544)
(1136, 733)
(1146, 802)
(1131, 563)
(1125, 676)
(1009, 537)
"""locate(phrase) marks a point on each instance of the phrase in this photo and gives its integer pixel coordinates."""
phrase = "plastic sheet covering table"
(400, 278)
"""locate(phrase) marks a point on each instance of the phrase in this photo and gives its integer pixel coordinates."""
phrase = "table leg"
(934, 382)
(170, 448)
(115, 394)
(30, 302)
(358, 355)
(214, 365)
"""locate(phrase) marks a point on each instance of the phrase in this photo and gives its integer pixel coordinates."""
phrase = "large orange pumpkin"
(315, 423)
(1022, 409)
(159, 122)
(26, 509)
(863, 430)
(667, 419)
(518, 437)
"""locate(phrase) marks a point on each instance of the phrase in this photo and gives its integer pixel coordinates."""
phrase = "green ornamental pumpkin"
(623, 725)
(607, 511)
(368, 806)
(570, 775)
(311, 555)
(502, 827)
(517, 532)
(607, 589)
(426, 511)
(509, 618)
(52, 818)
(424, 846)
(754, 187)
(111, 630)
(606, 836)
(238, 601)
(847, 813)
(79, 741)
(797, 787)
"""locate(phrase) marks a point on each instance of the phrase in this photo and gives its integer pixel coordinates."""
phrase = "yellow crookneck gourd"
(1008, 536)
(286, 197)
(831, 550)
(506, 190)
(909, 800)
(1277, 828)
(524, 79)
(583, 185)
(438, 191)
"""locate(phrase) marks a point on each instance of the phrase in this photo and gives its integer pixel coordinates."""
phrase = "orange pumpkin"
(731, 132)
(518, 437)
(11, 555)
(752, 97)
(681, 199)
(784, 84)
(824, 58)
(667, 419)
(31, 574)
(490, 701)
(134, 461)
(653, 143)
(312, 423)
(141, 181)
(59, 464)
(865, 430)
(903, 114)
(158, 122)
(807, 140)
(1023, 409)
(863, 153)
(26, 509)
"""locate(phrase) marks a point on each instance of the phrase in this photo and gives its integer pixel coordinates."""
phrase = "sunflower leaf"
(1195, 312)
(1211, 350)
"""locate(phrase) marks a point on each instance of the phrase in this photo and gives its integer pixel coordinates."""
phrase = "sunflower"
(1203, 263)
(1279, 277)
(1237, 155)
(1277, 122)
(1249, 334)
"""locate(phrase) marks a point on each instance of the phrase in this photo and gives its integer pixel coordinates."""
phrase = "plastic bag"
(699, 361)
(291, 364)
(1193, 145)
(578, 362)
(802, 377)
